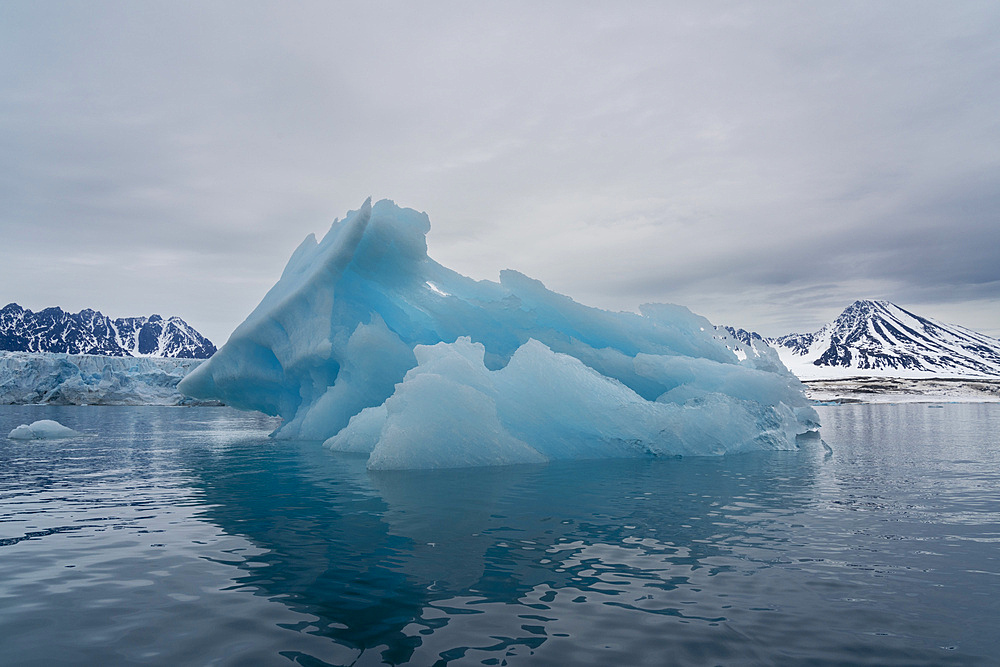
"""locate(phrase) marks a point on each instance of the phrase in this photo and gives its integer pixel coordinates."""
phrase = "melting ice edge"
(368, 344)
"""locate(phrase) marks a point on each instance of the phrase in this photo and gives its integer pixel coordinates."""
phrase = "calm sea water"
(186, 536)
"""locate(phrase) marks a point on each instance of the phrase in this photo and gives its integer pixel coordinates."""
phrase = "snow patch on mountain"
(878, 338)
(92, 332)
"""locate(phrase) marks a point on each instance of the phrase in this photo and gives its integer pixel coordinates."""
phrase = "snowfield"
(878, 338)
(882, 389)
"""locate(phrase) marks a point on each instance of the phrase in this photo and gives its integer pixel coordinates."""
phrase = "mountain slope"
(880, 338)
(91, 332)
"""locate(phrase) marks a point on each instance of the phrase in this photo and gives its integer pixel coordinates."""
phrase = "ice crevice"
(369, 345)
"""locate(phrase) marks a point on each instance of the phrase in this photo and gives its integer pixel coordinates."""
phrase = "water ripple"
(186, 536)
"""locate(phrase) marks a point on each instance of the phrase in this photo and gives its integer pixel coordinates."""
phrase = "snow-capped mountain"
(91, 332)
(880, 338)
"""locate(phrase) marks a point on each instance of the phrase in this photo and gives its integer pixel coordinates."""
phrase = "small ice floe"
(43, 429)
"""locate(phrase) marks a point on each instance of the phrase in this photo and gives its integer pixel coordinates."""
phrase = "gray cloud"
(762, 164)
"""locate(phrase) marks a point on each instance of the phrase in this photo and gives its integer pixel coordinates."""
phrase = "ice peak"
(356, 346)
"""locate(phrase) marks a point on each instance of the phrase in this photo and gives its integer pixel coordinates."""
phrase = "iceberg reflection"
(441, 564)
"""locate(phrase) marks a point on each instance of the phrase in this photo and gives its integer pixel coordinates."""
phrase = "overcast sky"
(763, 163)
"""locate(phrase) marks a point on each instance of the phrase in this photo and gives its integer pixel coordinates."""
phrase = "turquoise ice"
(370, 345)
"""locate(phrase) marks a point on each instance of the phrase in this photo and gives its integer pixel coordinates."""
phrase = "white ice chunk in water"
(43, 429)
(371, 346)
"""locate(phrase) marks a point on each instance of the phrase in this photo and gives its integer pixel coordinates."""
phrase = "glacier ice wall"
(90, 379)
(367, 343)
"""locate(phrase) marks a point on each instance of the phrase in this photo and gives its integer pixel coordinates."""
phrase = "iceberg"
(43, 429)
(369, 345)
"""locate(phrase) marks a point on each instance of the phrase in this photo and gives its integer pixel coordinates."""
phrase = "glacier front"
(55, 378)
(368, 344)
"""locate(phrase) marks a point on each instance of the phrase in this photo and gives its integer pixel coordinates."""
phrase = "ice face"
(367, 343)
(87, 379)
(43, 429)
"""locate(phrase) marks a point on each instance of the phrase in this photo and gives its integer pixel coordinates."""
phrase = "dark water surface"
(178, 536)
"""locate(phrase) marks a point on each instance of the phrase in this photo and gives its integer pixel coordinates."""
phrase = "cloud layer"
(763, 164)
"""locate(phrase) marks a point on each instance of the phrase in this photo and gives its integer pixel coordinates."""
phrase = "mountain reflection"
(384, 561)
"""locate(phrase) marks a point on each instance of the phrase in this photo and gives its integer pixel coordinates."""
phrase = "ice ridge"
(367, 343)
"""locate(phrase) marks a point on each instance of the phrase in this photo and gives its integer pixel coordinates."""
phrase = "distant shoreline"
(869, 389)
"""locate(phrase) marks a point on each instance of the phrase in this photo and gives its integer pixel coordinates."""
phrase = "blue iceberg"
(371, 346)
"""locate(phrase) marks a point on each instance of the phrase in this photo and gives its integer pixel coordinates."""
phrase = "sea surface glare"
(186, 536)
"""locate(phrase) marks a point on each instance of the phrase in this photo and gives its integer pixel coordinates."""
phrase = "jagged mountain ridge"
(92, 332)
(880, 338)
